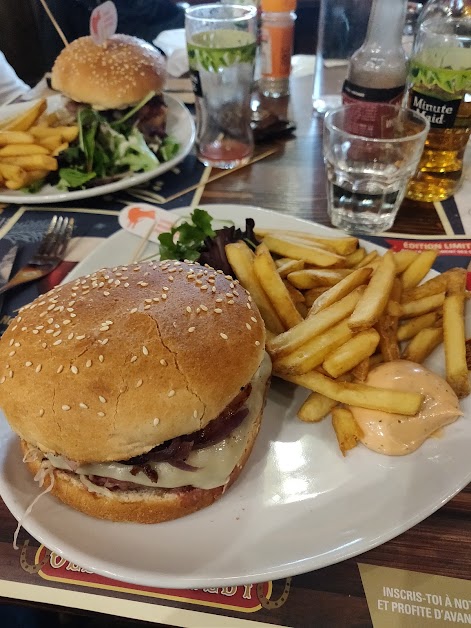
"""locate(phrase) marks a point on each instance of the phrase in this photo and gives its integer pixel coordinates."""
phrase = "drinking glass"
(439, 86)
(221, 43)
(369, 165)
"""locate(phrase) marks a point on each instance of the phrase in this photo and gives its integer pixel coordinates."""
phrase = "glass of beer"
(439, 87)
(221, 43)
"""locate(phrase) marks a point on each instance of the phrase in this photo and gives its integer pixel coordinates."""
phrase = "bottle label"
(441, 113)
(352, 93)
(373, 120)
(276, 50)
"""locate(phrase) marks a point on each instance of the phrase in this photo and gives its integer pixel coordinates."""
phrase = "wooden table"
(292, 182)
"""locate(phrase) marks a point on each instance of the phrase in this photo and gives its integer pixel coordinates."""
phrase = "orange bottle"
(277, 36)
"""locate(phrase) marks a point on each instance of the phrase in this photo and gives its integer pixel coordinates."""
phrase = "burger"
(138, 391)
(115, 94)
(118, 74)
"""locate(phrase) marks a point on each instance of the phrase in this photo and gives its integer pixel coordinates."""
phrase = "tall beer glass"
(439, 86)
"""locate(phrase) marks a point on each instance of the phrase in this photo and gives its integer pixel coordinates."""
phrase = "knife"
(6, 264)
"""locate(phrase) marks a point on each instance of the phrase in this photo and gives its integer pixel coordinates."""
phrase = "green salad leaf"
(108, 149)
(73, 178)
(169, 148)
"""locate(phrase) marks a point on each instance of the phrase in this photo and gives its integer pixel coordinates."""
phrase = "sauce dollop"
(396, 434)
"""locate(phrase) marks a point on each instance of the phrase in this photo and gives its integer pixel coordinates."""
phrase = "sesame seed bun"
(111, 365)
(115, 75)
(148, 505)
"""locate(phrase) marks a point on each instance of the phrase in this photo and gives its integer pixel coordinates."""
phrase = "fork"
(50, 253)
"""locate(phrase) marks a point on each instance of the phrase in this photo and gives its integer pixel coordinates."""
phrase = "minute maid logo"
(441, 114)
(244, 599)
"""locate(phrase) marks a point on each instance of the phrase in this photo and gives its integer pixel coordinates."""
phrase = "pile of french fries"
(29, 145)
(333, 312)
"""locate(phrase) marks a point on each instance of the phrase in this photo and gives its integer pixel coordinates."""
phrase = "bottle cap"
(278, 6)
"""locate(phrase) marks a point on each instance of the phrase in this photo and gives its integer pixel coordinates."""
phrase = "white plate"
(297, 506)
(180, 125)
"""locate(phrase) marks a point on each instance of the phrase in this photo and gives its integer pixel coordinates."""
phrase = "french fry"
(412, 326)
(356, 278)
(435, 285)
(59, 149)
(32, 162)
(359, 394)
(351, 353)
(274, 288)
(302, 309)
(416, 308)
(314, 352)
(347, 430)
(403, 259)
(290, 340)
(289, 266)
(296, 295)
(311, 295)
(68, 133)
(375, 298)
(422, 345)
(35, 175)
(10, 171)
(354, 258)
(361, 370)
(315, 408)
(14, 176)
(454, 333)
(387, 328)
(367, 259)
(342, 246)
(311, 278)
(416, 271)
(12, 150)
(15, 184)
(51, 143)
(310, 254)
(25, 120)
(240, 258)
(279, 261)
(15, 137)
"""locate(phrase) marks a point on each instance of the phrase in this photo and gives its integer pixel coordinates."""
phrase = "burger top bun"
(115, 75)
(109, 366)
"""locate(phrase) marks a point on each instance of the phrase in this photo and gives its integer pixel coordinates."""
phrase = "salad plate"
(180, 127)
(297, 506)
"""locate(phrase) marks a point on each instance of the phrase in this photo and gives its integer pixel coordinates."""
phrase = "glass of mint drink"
(221, 43)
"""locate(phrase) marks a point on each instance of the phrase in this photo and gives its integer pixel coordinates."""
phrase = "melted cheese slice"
(215, 463)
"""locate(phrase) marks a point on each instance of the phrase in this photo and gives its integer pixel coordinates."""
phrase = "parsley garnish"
(185, 240)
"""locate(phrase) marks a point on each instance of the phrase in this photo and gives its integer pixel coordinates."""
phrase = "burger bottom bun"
(145, 505)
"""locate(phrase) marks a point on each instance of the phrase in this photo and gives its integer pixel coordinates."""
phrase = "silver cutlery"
(49, 255)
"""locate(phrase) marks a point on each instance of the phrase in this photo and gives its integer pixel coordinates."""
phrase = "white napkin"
(173, 44)
(11, 86)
